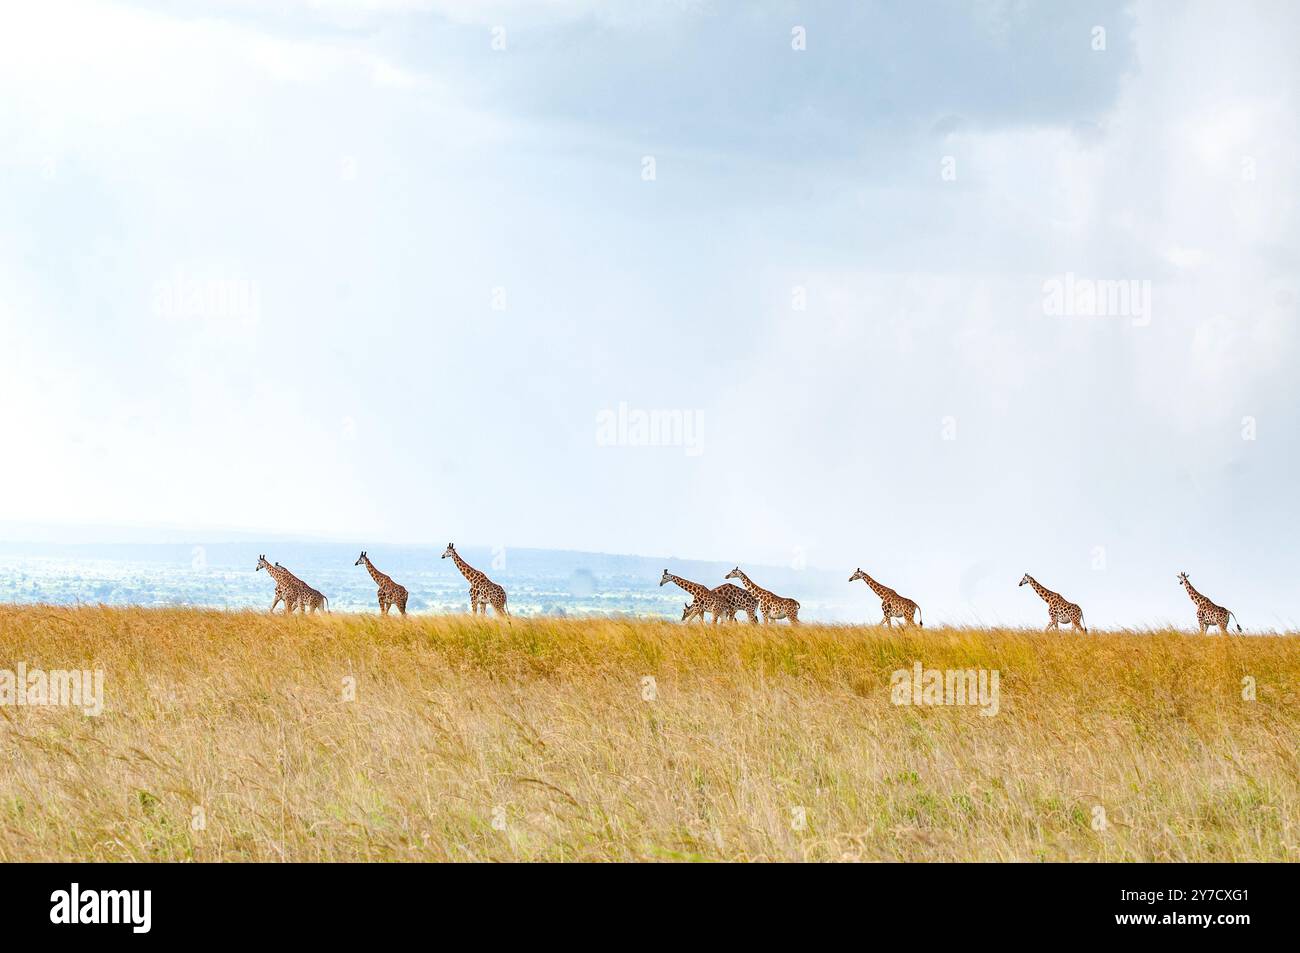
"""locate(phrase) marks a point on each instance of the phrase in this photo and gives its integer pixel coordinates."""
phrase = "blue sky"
(344, 269)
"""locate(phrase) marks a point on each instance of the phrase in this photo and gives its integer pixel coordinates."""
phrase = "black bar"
(332, 903)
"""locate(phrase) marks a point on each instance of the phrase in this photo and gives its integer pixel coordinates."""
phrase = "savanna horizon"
(230, 735)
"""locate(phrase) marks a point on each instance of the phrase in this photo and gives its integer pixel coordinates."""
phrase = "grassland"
(231, 736)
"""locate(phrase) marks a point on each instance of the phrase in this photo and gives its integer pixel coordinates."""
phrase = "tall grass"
(228, 736)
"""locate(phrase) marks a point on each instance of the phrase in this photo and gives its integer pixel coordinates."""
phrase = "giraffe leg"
(1204, 628)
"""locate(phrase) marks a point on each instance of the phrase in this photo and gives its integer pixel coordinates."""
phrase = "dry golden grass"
(542, 724)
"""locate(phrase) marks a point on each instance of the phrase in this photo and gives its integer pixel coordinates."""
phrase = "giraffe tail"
(920, 618)
(1233, 617)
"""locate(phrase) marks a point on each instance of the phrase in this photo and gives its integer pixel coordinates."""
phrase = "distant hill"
(42, 564)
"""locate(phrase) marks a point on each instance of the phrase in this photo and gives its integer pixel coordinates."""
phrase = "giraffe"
(725, 601)
(305, 595)
(390, 593)
(770, 604)
(740, 600)
(482, 590)
(702, 593)
(719, 602)
(714, 603)
(1059, 609)
(285, 588)
(892, 604)
(1207, 613)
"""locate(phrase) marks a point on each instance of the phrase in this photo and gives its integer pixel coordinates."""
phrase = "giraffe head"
(1183, 580)
(1025, 579)
(449, 551)
(691, 610)
(734, 574)
(262, 563)
(360, 559)
(667, 577)
(858, 574)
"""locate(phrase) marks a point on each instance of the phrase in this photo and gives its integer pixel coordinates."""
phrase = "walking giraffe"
(482, 590)
(738, 600)
(306, 596)
(892, 604)
(1059, 609)
(1207, 613)
(727, 598)
(390, 593)
(711, 602)
(285, 589)
(769, 603)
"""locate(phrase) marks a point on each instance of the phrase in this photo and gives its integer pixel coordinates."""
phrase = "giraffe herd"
(723, 602)
(296, 594)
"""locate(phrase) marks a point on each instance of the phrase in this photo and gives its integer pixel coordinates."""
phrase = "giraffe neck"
(290, 577)
(278, 573)
(876, 587)
(1044, 593)
(1195, 596)
(754, 587)
(375, 574)
(694, 588)
(469, 572)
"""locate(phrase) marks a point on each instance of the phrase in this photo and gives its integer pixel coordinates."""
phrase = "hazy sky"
(386, 271)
